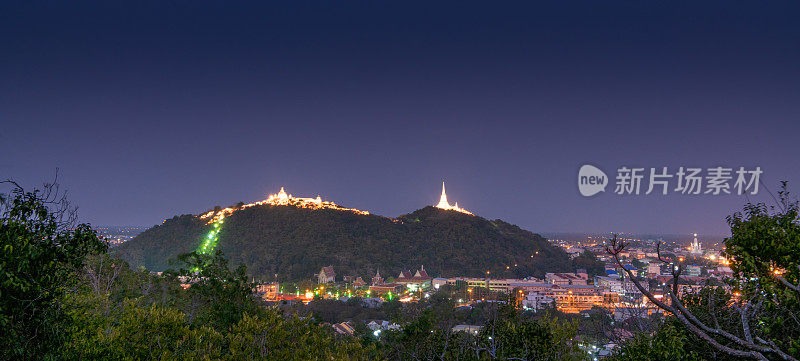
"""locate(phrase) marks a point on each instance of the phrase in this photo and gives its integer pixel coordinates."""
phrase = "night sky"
(152, 109)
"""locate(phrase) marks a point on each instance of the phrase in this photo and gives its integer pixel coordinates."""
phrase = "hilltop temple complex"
(282, 199)
(285, 199)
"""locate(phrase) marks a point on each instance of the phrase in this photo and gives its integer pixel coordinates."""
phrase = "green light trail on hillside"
(211, 240)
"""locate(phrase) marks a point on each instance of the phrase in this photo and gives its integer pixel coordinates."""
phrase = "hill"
(295, 242)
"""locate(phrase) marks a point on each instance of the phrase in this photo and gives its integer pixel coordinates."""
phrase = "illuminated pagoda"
(696, 248)
(377, 280)
(444, 204)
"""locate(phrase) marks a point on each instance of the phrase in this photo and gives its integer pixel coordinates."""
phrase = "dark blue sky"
(152, 109)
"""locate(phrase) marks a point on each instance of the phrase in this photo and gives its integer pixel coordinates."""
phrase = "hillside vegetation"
(295, 243)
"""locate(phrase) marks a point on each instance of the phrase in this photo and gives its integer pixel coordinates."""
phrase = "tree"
(42, 250)
(588, 261)
(764, 249)
(510, 336)
(506, 335)
(271, 336)
(219, 297)
(669, 343)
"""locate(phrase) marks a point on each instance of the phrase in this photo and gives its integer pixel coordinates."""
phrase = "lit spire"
(444, 204)
(443, 200)
(695, 247)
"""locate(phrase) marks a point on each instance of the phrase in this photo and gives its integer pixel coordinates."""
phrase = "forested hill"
(296, 242)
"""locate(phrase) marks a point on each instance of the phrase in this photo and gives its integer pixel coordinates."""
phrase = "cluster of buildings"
(406, 280)
(569, 292)
(613, 290)
(573, 292)
(641, 260)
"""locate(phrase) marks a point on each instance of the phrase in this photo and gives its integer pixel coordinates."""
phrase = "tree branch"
(615, 247)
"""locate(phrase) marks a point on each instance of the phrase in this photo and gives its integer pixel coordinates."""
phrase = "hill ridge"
(295, 242)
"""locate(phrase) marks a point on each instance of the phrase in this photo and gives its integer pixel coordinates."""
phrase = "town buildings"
(414, 282)
(267, 291)
(578, 278)
(536, 301)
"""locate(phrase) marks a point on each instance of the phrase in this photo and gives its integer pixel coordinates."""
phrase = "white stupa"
(444, 204)
(696, 248)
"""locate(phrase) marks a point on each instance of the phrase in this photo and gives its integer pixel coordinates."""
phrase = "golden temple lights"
(282, 199)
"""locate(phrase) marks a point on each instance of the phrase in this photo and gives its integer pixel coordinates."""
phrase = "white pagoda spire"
(444, 204)
(696, 247)
(282, 195)
(443, 200)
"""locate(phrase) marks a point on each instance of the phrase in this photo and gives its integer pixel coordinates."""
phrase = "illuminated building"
(499, 285)
(574, 299)
(419, 280)
(467, 328)
(444, 204)
(326, 275)
(377, 280)
(567, 298)
(696, 248)
(567, 278)
(343, 328)
(693, 270)
(653, 270)
(268, 291)
(613, 284)
(536, 301)
(386, 288)
(530, 286)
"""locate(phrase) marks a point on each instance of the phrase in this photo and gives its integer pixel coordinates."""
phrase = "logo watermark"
(591, 180)
(684, 180)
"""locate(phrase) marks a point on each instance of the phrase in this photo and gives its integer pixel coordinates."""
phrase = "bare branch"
(691, 322)
(788, 284)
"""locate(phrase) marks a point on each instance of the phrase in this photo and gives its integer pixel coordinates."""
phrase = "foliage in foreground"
(669, 343)
(39, 253)
(154, 332)
(756, 314)
(508, 334)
